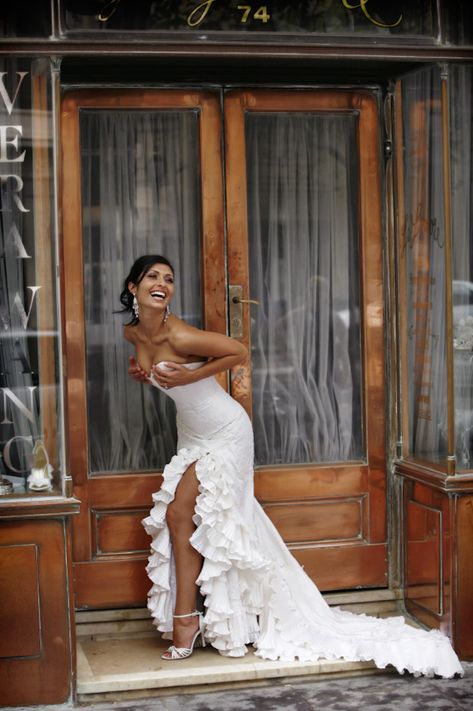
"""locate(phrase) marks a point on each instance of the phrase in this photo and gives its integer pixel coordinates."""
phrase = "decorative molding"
(38, 508)
(449, 484)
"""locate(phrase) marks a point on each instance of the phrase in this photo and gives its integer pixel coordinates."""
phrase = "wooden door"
(330, 512)
(104, 214)
(303, 203)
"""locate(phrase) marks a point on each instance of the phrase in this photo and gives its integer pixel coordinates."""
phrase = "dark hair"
(137, 272)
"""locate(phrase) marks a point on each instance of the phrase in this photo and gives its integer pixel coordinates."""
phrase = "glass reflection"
(422, 251)
(140, 191)
(460, 83)
(304, 271)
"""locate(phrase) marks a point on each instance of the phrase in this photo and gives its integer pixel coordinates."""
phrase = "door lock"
(235, 293)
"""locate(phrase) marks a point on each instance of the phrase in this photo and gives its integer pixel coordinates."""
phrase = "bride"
(211, 536)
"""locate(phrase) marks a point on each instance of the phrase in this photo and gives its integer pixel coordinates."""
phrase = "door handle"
(237, 300)
(235, 293)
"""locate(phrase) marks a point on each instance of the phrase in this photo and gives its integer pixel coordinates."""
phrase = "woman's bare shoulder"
(178, 328)
(187, 339)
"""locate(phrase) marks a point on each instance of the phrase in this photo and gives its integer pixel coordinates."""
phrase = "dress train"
(255, 591)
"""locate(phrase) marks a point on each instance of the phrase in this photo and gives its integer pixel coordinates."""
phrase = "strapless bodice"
(203, 406)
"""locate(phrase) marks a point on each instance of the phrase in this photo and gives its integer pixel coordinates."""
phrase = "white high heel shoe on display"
(173, 652)
(40, 478)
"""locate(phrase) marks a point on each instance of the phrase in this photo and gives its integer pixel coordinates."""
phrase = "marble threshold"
(119, 655)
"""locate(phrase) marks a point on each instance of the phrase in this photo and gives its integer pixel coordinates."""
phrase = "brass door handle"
(237, 300)
(235, 293)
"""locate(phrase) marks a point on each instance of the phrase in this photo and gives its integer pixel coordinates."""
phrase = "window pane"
(461, 142)
(305, 272)
(30, 429)
(140, 193)
(423, 261)
(459, 22)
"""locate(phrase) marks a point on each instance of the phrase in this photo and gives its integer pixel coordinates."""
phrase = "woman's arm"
(223, 353)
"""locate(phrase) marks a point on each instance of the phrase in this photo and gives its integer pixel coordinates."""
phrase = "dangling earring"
(166, 315)
(136, 307)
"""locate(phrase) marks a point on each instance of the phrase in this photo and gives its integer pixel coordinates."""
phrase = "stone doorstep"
(119, 655)
(115, 666)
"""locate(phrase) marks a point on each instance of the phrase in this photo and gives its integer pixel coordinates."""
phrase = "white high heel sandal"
(183, 652)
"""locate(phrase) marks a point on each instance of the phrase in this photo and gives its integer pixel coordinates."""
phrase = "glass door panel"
(302, 178)
(140, 195)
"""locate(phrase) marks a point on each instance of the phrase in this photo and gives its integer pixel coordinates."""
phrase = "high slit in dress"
(254, 590)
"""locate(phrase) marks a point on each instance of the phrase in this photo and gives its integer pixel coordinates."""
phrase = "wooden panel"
(303, 482)
(312, 521)
(427, 559)
(463, 617)
(123, 583)
(46, 677)
(19, 593)
(455, 557)
(120, 532)
(424, 541)
(344, 567)
(128, 490)
(373, 311)
(74, 341)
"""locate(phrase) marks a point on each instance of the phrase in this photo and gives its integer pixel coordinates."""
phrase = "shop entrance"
(268, 204)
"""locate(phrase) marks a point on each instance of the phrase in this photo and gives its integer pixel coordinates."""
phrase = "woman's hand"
(136, 372)
(172, 375)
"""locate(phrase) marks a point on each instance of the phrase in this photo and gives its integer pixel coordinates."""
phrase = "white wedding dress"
(255, 591)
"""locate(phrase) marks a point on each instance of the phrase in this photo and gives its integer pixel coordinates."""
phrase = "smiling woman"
(157, 273)
(159, 336)
(210, 535)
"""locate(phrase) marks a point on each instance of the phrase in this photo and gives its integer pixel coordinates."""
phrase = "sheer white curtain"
(140, 186)
(461, 142)
(304, 257)
(422, 242)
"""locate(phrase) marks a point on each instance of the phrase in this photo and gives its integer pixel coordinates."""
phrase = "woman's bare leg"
(188, 561)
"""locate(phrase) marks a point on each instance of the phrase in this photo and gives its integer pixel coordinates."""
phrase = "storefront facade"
(307, 169)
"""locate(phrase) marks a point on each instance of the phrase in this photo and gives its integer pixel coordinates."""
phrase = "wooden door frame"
(365, 481)
(122, 578)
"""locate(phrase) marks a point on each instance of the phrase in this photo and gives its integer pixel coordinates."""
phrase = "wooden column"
(438, 556)
(37, 642)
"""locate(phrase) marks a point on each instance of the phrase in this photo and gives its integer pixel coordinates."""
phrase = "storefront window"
(30, 404)
(422, 267)
(461, 146)
(372, 17)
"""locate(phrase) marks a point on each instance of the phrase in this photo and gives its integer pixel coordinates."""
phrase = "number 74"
(260, 14)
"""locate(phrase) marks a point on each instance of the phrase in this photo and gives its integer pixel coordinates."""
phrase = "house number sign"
(262, 13)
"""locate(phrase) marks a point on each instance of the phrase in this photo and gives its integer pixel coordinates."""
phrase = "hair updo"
(139, 269)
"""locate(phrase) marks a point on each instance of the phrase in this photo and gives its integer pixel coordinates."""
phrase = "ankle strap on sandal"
(189, 614)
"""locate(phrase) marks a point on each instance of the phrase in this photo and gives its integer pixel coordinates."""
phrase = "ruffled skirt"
(254, 590)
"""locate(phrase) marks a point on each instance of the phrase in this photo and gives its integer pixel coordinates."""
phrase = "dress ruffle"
(255, 592)
(300, 625)
(231, 576)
